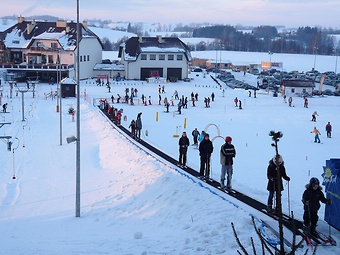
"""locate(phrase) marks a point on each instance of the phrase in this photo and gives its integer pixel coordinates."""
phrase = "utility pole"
(78, 121)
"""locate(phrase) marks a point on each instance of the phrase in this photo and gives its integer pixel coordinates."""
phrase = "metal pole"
(23, 105)
(61, 118)
(78, 121)
(315, 49)
(336, 61)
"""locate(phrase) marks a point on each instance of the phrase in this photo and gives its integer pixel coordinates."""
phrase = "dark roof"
(39, 27)
(133, 47)
(298, 83)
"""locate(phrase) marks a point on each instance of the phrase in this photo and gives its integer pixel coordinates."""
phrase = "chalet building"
(145, 57)
(47, 50)
(297, 87)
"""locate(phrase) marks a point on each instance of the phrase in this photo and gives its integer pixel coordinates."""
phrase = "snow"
(133, 202)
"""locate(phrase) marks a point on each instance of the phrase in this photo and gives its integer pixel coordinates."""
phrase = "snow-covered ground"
(131, 201)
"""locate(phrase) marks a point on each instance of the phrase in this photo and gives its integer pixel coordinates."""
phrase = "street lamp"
(315, 50)
(336, 61)
(78, 121)
(270, 59)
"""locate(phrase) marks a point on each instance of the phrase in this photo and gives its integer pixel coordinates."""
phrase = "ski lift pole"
(14, 177)
(289, 200)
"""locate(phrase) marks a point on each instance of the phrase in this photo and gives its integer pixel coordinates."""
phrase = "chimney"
(140, 39)
(61, 23)
(21, 19)
(159, 38)
(30, 26)
(85, 24)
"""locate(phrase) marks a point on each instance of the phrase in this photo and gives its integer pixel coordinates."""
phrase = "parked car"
(336, 93)
(327, 92)
(186, 80)
(198, 70)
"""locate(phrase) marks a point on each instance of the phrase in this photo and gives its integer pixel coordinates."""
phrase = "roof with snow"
(298, 83)
(134, 46)
(22, 34)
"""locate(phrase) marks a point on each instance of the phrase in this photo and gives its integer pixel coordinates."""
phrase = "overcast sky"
(290, 13)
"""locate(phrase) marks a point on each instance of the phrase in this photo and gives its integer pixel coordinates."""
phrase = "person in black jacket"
(273, 185)
(227, 153)
(206, 148)
(183, 148)
(311, 199)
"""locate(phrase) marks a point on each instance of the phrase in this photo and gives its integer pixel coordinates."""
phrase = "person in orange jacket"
(317, 133)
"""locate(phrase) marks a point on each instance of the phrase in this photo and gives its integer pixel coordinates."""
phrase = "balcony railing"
(43, 49)
(35, 66)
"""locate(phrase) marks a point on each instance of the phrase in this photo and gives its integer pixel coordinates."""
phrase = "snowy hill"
(131, 201)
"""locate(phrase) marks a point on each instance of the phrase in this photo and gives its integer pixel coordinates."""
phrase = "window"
(143, 57)
(171, 57)
(162, 57)
(84, 58)
(180, 57)
(88, 57)
(50, 59)
(81, 59)
(152, 56)
(54, 46)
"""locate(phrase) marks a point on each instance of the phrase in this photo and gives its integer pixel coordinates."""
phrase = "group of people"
(136, 127)
(206, 148)
(311, 197)
(276, 171)
(317, 133)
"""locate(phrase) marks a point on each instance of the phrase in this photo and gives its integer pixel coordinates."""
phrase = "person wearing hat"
(311, 199)
(227, 153)
(274, 185)
(183, 149)
(205, 148)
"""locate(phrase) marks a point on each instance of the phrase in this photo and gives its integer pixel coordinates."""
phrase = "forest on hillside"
(305, 40)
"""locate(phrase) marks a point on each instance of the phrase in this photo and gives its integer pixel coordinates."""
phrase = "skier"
(273, 185)
(206, 148)
(196, 96)
(179, 107)
(305, 104)
(290, 100)
(329, 130)
(195, 133)
(183, 149)
(235, 101)
(4, 107)
(227, 153)
(138, 125)
(317, 133)
(176, 94)
(311, 199)
(314, 116)
(201, 136)
(212, 96)
(133, 128)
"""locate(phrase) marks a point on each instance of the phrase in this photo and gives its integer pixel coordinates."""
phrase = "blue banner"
(331, 181)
